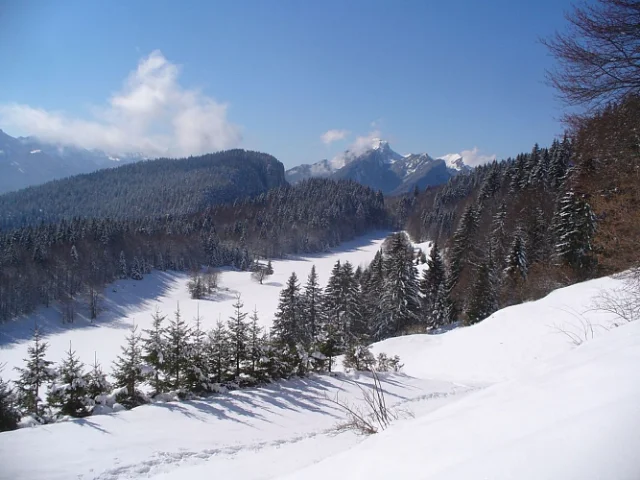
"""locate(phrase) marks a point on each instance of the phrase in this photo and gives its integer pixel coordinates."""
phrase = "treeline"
(178, 359)
(71, 261)
(514, 230)
(145, 189)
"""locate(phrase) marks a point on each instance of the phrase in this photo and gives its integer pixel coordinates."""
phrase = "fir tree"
(197, 371)
(154, 349)
(312, 308)
(516, 261)
(122, 266)
(37, 373)
(257, 349)
(483, 301)
(9, 414)
(218, 354)
(433, 289)
(97, 383)
(238, 336)
(177, 338)
(400, 301)
(127, 371)
(68, 392)
(286, 325)
(574, 228)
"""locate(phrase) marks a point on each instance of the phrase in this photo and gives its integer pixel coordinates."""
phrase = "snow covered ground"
(508, 398)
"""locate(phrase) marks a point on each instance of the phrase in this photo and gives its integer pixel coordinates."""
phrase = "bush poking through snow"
(371, 417)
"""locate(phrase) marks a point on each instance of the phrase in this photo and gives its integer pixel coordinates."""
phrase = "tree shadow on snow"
(120, 299)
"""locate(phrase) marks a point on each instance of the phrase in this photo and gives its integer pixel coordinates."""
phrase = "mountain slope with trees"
(146, 189)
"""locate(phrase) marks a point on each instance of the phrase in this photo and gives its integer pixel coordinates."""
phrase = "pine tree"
(37, 373)
(217, 353)
(574, 226)
(483, 301)
(257, 349)
(9, 414)
(462, 241)
(154, 349)
(68, 391)
(177, 338)
(122, 266)
(127, 371)
(312, 308)
(433, 289)
(197, 371)
(400, 300)
(516, 261)
(354, 324)
(286, 325)
(97, 383)
(238, 336)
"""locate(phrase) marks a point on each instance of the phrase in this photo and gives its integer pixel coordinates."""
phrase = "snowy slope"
(510, 397)
(129, 301)
(577, 417)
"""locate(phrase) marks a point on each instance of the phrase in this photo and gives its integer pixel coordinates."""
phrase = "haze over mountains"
(27, 161)
(382, 168)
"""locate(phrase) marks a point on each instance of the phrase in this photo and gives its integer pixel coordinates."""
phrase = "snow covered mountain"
(26, 161)
(380, 167)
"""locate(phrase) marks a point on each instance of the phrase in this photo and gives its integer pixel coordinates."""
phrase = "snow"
(510, 397)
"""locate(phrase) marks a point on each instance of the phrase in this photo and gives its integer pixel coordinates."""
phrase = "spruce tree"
(127, 371)
(400, 301)
(218, 354)
(197, 371)
(177, 337)
(238, 336)
(9, 414)
(312, 298)
(68, 391)
(286, 325)
(354, 324)
(257, 349)
(97, 383)
(37, 373)
(433, 289)
(574, 227)
(154, 348)
(517, 264)
(483, 300)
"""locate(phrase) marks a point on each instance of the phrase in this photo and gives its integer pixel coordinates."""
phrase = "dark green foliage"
(146, 189)
(9, 414)
(37, 372)
(154, 351)
(177, 337)
(127, 371)
(68, 391)
(434, 290)
(238, 337)
(311, 217)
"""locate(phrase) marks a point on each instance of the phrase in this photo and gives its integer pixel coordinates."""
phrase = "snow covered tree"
(218, 354)
(197, 286)
(312, 298)
(257, 349)
(127, 371)
(68, 391)
(97, 383)
(400, 301)
(462, 241)
(484, 298)
(433, 289)
(354, 324)
(238, 337)
(574, 228)
(286, 326)
(517, 264)
(197, 370)
(9, 414)
(358, 357)
(177, 337)
(37, 373)
(137, 269)
(123, 270)
(153, 353)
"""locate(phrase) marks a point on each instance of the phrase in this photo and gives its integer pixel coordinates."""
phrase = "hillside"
(501, 397)
(146, 189)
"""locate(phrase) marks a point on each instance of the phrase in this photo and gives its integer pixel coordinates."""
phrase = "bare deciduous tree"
(599, 56)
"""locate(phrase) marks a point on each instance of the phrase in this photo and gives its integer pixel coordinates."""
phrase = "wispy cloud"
(335, 135)
(472, 157)
(152, 114)
(360, 145)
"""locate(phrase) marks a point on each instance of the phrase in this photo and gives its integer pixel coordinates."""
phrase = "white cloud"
(152, 114)
(360, 145)
(471, 157)
(334, 135)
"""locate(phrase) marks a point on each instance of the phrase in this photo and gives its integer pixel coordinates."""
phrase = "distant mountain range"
(27, 161)
(379, 167)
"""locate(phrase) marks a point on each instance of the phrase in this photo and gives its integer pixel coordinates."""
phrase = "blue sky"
(186, 77)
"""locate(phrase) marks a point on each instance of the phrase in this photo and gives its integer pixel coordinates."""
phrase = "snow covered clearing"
(509, 398)
(129, 301)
